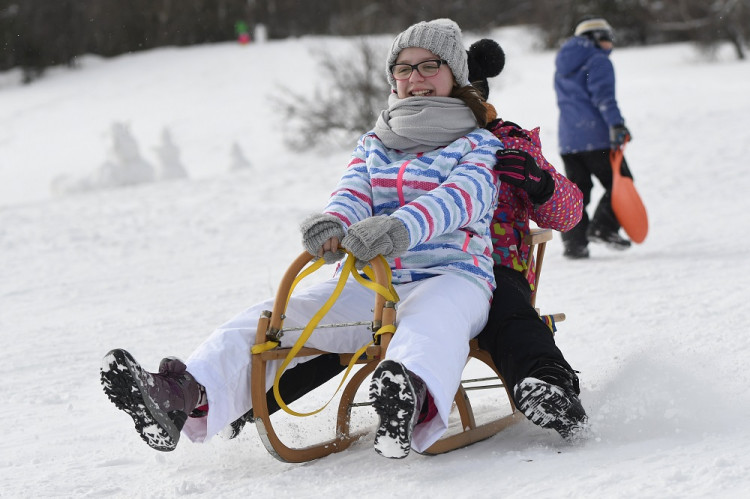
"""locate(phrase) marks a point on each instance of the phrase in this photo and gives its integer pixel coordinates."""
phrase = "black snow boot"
(611, 239)
(397, 395)
(158, 403)
(548, 397)
(575, 251)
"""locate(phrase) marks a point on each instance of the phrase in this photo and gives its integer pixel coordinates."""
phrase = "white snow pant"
(435, 319)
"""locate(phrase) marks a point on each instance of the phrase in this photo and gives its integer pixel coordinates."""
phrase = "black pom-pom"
(486, 59)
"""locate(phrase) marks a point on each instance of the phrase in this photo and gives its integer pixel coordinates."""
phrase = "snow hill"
(88, 263)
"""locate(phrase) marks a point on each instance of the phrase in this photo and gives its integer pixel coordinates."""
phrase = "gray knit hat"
(442, 37)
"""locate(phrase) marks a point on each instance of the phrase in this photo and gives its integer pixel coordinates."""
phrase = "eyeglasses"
(424, 68)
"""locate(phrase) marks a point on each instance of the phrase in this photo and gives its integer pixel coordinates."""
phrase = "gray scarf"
(420, 124)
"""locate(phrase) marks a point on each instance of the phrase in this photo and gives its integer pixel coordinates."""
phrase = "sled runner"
(270, 325)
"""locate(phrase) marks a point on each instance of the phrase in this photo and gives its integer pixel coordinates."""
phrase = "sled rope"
(348, 268)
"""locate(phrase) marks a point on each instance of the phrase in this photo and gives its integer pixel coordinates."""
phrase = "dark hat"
(486, 60)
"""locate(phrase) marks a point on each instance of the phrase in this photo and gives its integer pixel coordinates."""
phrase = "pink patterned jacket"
(510, 223)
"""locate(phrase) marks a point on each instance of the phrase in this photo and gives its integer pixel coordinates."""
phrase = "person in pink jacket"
(545, 386)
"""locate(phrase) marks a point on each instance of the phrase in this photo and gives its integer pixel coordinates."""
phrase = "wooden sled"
(270, 323)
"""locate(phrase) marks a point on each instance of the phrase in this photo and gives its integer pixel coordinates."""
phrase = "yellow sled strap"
(388, 293)
(264, 347)
(348, 268)
(270, 344)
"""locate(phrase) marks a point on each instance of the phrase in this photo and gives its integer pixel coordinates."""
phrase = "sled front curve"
(271, 322)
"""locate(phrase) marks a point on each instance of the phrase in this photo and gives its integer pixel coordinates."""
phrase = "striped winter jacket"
(445, 197)
(510, 223)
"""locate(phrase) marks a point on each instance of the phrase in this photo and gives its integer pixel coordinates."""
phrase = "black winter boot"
(575, 251)
(611, 239)
(158, 403)
(548, 397)
(397, 395)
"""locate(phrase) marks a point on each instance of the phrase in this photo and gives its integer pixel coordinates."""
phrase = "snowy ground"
(658, 333)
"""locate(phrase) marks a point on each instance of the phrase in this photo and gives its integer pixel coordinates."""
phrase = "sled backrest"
(537, 240)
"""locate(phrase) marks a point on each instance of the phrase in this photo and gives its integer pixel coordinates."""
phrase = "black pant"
(304, 378)
(294, 383)
(516, 338)
(579, 168)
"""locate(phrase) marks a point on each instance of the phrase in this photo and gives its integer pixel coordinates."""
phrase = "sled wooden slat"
(281, 353)
(469, 432)
(538, 239)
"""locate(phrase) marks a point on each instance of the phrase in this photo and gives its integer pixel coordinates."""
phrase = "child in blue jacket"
(590, 125)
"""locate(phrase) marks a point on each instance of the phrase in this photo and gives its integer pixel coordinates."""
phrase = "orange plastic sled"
(626, 203)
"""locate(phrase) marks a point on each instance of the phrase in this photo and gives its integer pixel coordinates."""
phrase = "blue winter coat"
(585, 88)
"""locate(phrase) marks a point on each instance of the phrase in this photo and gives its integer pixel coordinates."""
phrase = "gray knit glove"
(319, 228)
(375, 236)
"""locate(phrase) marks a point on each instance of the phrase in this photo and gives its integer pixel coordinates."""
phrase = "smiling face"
(439, 85)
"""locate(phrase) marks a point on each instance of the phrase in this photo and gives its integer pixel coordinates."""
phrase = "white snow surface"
(658, 333)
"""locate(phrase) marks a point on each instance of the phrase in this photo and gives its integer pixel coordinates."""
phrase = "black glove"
(618, 135)
(520, 169)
